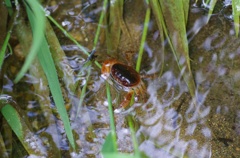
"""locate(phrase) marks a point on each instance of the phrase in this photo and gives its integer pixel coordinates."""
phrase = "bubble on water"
(231, 55)
(200, 77)
(66, 23)
(148, 50)
(201, 97)
(214, 57)
(71, 12)
(206, 132)
(105, 103)
(222, 71)
(227, 3)
(232, 32)
(47, 12)
(191, 128)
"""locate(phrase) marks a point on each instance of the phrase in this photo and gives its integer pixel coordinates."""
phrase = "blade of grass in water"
(103, 12)
(37, 23)
(211, 7)
(30, 141)
(67, 34)
(83, 92)
(3, 49)
(3, 150)
(139, 60)
(110, 111)
(46, 61)
(111, 138)
(133, 135)
(236, 13)
(143, 39)
(96, 35)
(174, 27)
(5, 44)
(71, 38)
(109, 149)
(89, 63)
(113, 30)
(157, 14)
(186, 9)
(9, 6)
(48, 66)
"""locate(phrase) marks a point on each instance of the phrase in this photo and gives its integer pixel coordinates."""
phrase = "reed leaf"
(3, 30)
(72, 39)
(174, 26)
(37, 20)
(236, 13)
(110, 144)
(3, 49)
(40, 45)
(24, 134)
(212, 4)
(48, 66)
(143, 39)
(109, 150)
(9, 7)
(60, 59)
(3, 150)
(83, 92)
(186, 9)
(110, 111)
(113, 31)
(133, 135)
(154, 4)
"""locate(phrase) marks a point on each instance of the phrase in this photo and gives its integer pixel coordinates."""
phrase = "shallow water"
(169, 124)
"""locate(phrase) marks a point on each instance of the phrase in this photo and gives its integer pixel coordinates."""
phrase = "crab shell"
(124, 76)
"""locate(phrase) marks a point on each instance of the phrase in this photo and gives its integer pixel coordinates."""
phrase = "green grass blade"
(3, 49)
(9, 7)
(110, 111)
(138, 65)
(67, 34)
(100, 24)
(20, 128)
(158, 15)
(108, 146)
(13, 119)
(118, 155)
(48, 66)
(211, 8)
(5, 35)
(83, 92)
(236, 13)
(3, 151)
(113, 30)
(37, 21)
(133, 135)
(109, 151)
(5, 43)
(174, 27)
(143, 39)
(8, 3)
(71, 38)
(186, 9)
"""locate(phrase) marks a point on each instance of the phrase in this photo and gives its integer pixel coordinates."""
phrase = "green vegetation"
(47, 62)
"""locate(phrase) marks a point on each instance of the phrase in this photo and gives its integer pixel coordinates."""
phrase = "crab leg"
(127, 99)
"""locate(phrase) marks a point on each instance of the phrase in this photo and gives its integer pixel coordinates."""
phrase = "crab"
(125, 78)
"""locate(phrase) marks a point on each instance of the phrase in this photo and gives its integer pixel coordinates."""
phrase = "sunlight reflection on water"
(164, 125)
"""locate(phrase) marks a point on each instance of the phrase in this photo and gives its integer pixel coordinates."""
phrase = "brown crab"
(125, 78)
